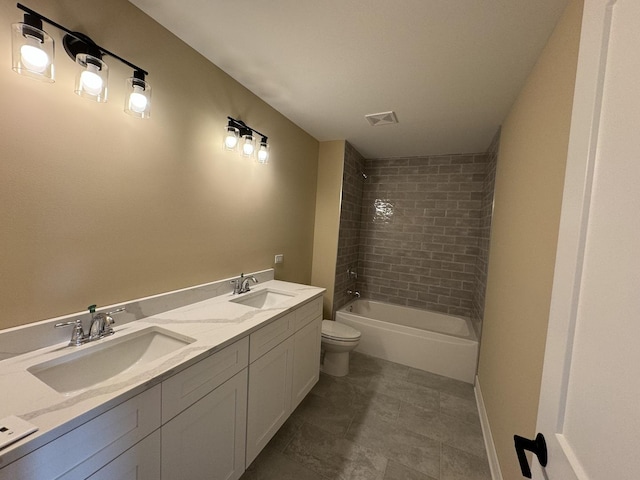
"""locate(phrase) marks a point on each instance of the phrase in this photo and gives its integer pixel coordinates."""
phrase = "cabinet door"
(140, 462)
(306, 360)
(207, 439)
(270, 379)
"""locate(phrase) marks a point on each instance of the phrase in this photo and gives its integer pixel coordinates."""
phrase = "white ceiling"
(450, 69)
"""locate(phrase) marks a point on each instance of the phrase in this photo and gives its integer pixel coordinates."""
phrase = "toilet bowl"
(338, 340)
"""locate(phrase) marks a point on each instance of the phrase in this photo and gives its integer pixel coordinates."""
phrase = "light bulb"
(33, 57)
(230, 141)
(247, 146)
(90, 80)
(137, 100)
(263, 153)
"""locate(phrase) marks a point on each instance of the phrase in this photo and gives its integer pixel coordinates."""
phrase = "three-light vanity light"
(239, 136)
(33, 56)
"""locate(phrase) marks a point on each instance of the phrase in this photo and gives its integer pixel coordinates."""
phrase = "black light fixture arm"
(240, 125)
(81, 38)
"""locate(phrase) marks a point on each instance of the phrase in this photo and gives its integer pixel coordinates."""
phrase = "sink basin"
(266, 298)
(97, 363)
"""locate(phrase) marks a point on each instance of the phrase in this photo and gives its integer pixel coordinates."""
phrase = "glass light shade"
(248, 145)
(137, 102)
(263, 153)
(33, 52)
(91, 81)
(231, 137)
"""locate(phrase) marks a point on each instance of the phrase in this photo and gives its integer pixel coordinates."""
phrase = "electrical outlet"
(13, 429)
(279, 258)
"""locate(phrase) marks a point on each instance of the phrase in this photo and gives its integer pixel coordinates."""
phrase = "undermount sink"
(266, 298)
(97, 363)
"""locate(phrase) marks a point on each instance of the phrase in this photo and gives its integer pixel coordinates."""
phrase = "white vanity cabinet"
(204, 412)
(209, 420)
(84, 450)
(285, 364)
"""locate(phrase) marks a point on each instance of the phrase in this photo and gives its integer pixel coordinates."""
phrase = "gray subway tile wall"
(420, 231)
(349, 234)
(486, 215)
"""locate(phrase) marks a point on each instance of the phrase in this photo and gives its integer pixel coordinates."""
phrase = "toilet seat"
(339, 331)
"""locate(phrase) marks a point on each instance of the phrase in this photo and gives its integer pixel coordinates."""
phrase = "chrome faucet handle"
(236, 284)
(244, 284)
(101, 323)
(107, 328)
(77, 335)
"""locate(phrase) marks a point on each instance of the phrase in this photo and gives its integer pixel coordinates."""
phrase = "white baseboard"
(489, 446)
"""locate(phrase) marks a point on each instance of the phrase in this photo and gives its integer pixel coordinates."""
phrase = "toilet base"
(336, 364)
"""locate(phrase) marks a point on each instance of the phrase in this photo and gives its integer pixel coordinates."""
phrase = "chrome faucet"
(353, 293)
(100, 326)
(241, 284)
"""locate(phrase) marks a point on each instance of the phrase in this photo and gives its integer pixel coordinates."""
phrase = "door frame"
(574, 222)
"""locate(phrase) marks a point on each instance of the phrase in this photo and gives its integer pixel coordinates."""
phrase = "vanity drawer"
(140, 462)
(82, 451)
(263, 340)
(187, 387)
(308, 312)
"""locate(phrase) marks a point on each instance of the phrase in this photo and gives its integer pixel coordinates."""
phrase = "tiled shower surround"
(423, 233)
(420, 230)
(349, 234)
(486, 215)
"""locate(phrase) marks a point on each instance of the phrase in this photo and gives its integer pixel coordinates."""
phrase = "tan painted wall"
(327, 225)
(99, 207)
(528, 195)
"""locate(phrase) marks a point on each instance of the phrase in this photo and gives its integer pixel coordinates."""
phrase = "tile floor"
(384, 421)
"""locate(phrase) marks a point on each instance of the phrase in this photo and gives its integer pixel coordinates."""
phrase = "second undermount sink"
(265, 298)
(96, 363)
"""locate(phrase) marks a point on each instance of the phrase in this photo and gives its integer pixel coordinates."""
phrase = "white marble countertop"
(213, 323)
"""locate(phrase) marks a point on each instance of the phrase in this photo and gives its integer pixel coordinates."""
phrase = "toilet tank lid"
(339, 330)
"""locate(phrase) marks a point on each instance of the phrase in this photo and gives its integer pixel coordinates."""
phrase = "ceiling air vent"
(384, 118)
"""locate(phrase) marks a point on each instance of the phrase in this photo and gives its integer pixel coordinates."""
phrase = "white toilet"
(338, 340)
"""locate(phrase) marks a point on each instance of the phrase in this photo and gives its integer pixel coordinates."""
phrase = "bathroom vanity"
(215, 381)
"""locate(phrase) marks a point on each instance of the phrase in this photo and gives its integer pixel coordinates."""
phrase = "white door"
(589, 408)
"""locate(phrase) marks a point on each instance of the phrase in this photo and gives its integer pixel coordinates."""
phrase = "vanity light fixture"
(33, 55)
(238, 135)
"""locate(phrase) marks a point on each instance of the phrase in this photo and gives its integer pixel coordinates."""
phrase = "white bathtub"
(431, 341)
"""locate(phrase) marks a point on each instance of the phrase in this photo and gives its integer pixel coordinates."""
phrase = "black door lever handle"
(537, 446)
